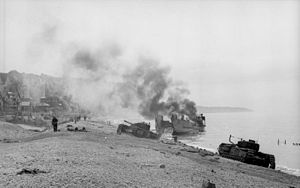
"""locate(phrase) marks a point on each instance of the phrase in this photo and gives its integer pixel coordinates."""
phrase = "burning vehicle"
(182, 125)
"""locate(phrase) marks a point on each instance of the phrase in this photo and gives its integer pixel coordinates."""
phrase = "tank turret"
(251, 144)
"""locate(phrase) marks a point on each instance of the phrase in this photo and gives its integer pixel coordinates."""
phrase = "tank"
(140, 129)
(246, 152)
(141, 125)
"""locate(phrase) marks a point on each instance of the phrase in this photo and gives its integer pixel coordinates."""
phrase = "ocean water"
(266, 128)
(262, 127)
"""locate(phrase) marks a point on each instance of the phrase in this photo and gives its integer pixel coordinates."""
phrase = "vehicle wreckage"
(76, 129)
(140, 129)
(183, 125)
(246, 152)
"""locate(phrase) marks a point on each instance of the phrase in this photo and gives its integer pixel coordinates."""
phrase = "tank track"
(272, 161)
(269, 163)
(228, 156)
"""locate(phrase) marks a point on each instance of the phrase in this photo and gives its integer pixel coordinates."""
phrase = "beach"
(101, 158)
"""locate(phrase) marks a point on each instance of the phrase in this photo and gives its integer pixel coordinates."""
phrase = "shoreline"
(279, 167)
(100, 157)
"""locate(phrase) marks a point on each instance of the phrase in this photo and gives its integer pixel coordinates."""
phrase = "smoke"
(105, 79)
(147, 82)
(106, 83)
(85, 60)
(91, 75)
(98, 60)
(150, 84)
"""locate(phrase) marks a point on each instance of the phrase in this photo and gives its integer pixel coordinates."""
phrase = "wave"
(285, 169)
(196, 145)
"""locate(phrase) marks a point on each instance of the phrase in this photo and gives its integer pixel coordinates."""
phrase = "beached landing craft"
(182, 125)
(247, 152)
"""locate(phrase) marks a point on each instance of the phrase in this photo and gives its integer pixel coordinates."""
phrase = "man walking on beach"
(54, 123)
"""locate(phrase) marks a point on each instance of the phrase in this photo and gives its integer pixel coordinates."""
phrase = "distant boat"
(182, 125)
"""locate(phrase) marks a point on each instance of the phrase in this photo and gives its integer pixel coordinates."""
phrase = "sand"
(101, 158)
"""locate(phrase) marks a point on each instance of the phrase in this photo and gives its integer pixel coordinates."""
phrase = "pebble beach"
(102, 158)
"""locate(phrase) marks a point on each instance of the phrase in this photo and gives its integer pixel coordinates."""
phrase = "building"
(52, 101)
(11, 102)
(42, 107)
(26, 105)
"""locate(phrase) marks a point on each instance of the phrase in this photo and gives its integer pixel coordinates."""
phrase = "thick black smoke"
(150, 84)
(184, 106)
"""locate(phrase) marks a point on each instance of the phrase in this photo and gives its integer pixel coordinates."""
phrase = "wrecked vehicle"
(76, 129)
(246, 152)
(141, 130)
(183, 125)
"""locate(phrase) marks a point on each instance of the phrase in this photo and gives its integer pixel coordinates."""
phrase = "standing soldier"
(203, 118)
(54, 123)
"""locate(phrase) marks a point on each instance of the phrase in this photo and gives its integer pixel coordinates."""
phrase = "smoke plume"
(150, 84)
(107, 83)
(105, 79)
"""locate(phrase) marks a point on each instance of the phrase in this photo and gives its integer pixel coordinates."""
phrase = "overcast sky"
(229, 53)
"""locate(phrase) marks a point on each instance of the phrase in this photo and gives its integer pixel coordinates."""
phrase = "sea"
(276, 132)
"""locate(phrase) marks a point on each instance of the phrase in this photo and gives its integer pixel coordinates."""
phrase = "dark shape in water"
(246, 152)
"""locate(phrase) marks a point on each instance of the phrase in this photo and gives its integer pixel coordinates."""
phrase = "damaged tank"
(140, 129)
(246, 152)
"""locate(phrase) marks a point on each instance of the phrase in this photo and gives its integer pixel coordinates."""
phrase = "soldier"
(203, 118)
(54, 123)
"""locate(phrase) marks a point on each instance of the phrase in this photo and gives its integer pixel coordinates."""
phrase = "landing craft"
(182, 125)
(246, 152)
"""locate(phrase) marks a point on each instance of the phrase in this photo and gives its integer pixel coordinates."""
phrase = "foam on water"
(288, 170)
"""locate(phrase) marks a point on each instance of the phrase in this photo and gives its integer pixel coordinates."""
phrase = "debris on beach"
(141, 130)
(167, 137)
(76, 129)
(5, 140)
(31, 171)
(208, 184)
(202, 152)
(191, 150)
(162, 166)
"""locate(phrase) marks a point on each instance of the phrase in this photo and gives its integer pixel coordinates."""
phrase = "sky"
(228, 53)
